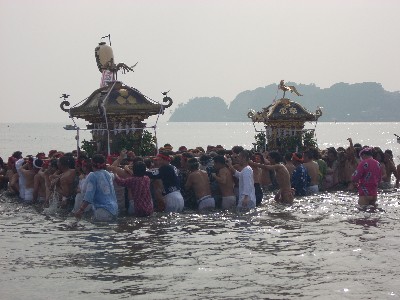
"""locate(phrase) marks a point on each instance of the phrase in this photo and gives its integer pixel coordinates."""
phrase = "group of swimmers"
(192, 178)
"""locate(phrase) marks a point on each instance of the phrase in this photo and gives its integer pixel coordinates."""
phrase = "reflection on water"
(322, 247)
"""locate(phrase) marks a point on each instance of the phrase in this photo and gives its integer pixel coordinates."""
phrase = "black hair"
(237, 149)
(246, 154)
(193, 163)
(148, 162)
(260, 155)
(88, 165)
(53, 163)
(65, 161)
(137, 158)
(288, 156)
(219, 159)
(17, 154)
(315, 153)
(139, 169)
(388, 151)
(221, 152)
(276, 156)
(333, 151)
(98, 159)
(309, 154)
(176, 161)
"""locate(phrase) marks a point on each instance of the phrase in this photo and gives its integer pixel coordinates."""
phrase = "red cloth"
(140, 191)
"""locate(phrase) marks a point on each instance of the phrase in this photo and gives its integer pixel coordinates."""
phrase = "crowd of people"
(196, 179)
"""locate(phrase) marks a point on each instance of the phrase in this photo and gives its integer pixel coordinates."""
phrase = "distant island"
(342, 102)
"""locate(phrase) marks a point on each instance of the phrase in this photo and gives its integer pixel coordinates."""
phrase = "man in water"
(300, 178)
(99, 192)
(28, 171)
(367, 177)
(199, 182)
(39, 185)
(21, 179)
(390, 167)
(141, 204)
(313, 171)
(225, 182)
(65, 182)
(285, 193)
(247, 195)
(169, 176)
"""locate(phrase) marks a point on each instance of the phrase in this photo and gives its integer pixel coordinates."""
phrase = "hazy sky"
(194, 48)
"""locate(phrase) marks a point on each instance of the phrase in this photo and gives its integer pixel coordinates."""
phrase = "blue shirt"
(100, 191)
(300, 180)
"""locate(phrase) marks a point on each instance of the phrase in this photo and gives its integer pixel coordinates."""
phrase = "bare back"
(282, 177)
(225, 182)
(199, 182)
(66, 183)
(313, 170)
(29, 176)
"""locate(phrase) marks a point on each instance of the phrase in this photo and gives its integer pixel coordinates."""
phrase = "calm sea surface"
(322, 247)
(31, 138)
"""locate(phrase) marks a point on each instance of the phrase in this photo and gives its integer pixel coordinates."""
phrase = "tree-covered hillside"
(341, 102)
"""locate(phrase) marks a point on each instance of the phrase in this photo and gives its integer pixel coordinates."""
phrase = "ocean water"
(322, 247)
(31, 138)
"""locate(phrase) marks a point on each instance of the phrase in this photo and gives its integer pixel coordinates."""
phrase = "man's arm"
(36, 183)
(221, 177)
(189, 182)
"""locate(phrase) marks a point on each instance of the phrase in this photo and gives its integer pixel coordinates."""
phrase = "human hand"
(245, 201)
(78, 214)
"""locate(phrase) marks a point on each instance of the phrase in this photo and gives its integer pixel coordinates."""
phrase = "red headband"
(164, 157)
(296, 158)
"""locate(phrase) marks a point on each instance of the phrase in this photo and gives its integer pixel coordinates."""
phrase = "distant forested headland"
(342, 102)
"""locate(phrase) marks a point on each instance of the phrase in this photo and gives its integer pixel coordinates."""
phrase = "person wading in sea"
(225, 182)
(300, 178)
(247, 195)
(285, 193)
(99, 192)
(313, 171)
(169, 176)
(367, 177)
(199, 182)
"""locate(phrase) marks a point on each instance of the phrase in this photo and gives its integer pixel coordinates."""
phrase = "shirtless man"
(121, 167)
(285, 193)
(313, 171)
(48, 175)
(257, 173)
(225, 181)
(288, 163)
(28, 172)
(350, 165)
(199, 182)
(39, 185)
(65, 181)
(390, 168)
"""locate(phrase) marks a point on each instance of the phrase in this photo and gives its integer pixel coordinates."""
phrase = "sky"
(199, 48)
